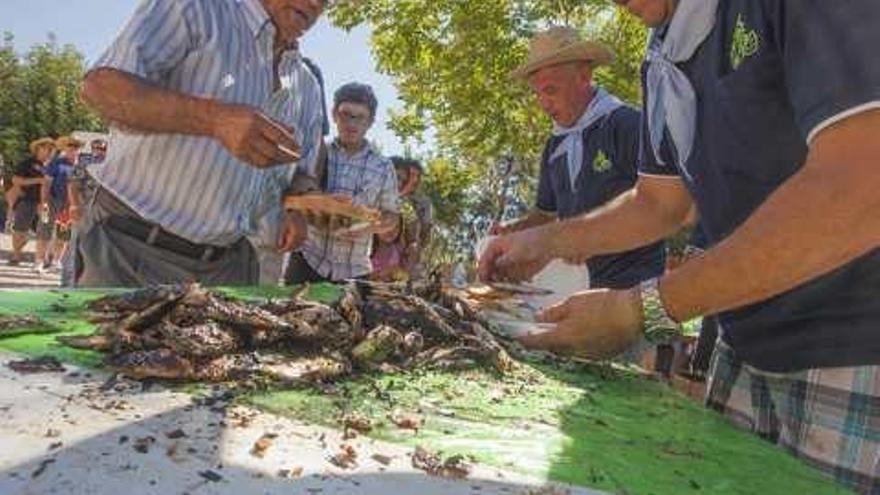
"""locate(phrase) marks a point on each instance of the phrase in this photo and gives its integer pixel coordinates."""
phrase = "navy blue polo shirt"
(770, 75)
(611, 149)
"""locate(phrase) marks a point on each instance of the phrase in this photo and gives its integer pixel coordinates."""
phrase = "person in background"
(29, 201)
(356, 169)
(398, 253)
(591, 158)
(6, 207)
(81, 188)
(417, 214)
(58, 174)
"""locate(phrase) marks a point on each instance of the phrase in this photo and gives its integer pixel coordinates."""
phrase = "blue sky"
(91, 25)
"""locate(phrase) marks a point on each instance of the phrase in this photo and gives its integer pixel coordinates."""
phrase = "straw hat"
(65, 142)
(559, 45)
(39, 143)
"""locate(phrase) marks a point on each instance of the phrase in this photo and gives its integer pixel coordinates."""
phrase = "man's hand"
(514, 257)
(293, 232)
(597, 324)
(497, 229)
(75, 212)
(254, 138)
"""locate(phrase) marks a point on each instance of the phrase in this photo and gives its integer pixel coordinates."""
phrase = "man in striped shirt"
(357, 170)
(213, 109)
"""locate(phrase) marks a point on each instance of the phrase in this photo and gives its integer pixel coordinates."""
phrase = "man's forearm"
(132, 102)
(653, 210)
(820, 219)
(73, 196)
(21, 182)
(535, 218)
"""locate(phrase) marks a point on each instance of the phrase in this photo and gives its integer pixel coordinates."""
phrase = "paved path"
(24, 275)
(65, 433)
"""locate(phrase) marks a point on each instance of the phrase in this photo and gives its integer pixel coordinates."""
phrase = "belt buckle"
(208, 253)
(153, 236)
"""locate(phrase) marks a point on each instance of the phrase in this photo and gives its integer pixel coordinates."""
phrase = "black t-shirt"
(30, 169)
(611, 148)
(770, 76)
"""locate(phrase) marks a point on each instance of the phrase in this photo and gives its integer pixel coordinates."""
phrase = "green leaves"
(39, 96)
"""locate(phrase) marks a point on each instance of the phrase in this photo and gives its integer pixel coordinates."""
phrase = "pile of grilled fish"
(186, 332)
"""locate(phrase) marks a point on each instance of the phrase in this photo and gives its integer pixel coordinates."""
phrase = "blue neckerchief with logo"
(672, 102)
(572, 146)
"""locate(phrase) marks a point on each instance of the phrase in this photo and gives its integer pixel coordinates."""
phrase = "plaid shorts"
(829, 417)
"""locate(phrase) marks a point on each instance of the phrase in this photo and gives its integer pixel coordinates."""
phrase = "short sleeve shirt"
(771, 75)
(609, 169)
(30, 169)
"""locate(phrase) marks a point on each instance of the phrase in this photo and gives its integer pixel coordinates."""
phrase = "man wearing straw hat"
(765, 117)
(591, 157)
(29, 198)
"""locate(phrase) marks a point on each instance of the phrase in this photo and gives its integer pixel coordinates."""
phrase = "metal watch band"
(659, 326)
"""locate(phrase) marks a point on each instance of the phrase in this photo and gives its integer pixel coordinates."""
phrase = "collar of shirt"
(341, 152)
(256, 15)
(261, 25)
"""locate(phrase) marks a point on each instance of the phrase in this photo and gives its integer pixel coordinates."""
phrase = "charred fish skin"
(238, 314)
(94, 342)
(227, 368)
(322, 326)
(350, 306)
(13, 326)
(307, 369)
(380, 345)
(207, 340)
(159, 363)
(137, 300)
(194, 334)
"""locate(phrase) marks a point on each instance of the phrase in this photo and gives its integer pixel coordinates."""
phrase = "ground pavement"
(82, 432)
(23, 276)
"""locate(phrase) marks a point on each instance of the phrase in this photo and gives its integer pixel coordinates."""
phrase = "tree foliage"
(451, 62)
(39, 96)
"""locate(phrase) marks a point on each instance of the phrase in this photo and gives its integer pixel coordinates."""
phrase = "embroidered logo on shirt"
(745, 43)
(601, 163)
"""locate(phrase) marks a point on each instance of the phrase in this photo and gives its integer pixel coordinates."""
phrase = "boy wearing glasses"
(355, 169)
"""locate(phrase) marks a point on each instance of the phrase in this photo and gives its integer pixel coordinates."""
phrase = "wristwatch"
(659, 326)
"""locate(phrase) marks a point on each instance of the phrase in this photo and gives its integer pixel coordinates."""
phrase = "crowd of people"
(758, 123)
(44, 200)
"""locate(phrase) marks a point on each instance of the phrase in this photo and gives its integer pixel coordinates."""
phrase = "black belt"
(153, 235)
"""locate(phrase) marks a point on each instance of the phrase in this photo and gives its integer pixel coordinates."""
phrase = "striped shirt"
(369, 178)
(190, 185)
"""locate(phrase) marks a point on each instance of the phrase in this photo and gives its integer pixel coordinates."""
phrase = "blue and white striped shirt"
(221, 49)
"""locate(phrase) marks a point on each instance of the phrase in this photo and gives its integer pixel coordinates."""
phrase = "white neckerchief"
(572, 146)
(672, 102)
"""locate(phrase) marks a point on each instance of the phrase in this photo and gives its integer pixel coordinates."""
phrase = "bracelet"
(659, 327)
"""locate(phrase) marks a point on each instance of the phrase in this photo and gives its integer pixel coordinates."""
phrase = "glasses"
(354, 119)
